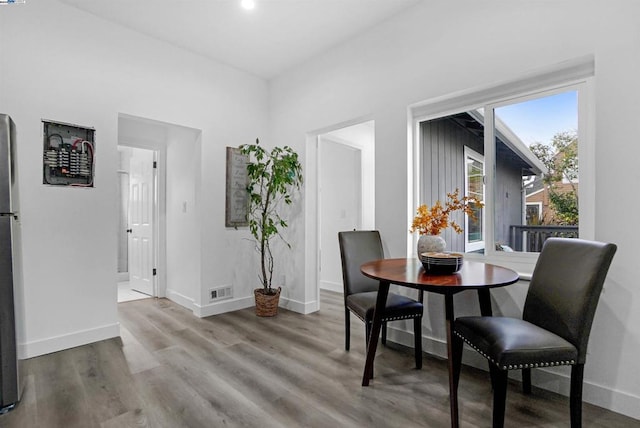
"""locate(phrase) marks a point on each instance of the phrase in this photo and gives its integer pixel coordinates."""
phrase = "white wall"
(340, 205)
(362, 136)
(183, 215)
(437, 48)
(62, 64)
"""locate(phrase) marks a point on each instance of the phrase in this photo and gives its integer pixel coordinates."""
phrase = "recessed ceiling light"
(248, 4)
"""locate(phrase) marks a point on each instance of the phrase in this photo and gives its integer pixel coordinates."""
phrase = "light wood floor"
(170, 369)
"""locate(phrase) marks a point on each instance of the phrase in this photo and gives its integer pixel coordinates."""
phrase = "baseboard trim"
(592, 393)
(248, 302)
(67, 341)
(181, 299)
(304, 308)
(223, 306)
(332, 286)
(236, 304)
(548, 379)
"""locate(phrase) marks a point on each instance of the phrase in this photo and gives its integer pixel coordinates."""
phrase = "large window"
(518, 152)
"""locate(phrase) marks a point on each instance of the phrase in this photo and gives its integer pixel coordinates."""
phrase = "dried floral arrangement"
(432, 221)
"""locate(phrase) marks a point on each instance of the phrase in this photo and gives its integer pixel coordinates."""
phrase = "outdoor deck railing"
(531, 238)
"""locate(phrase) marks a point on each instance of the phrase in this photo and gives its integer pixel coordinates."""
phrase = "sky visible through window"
(538, 120)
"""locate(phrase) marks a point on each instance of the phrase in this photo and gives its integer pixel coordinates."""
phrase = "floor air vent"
(220, 293)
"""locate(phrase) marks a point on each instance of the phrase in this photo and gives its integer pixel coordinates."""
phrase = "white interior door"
(340, 205)
(141, 199)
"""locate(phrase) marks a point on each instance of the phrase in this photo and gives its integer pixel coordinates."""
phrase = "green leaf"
(274, 176)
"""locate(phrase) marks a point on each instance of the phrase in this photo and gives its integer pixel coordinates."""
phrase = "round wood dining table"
(473, 275)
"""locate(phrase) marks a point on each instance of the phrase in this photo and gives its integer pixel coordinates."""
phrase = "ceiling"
(275, 36)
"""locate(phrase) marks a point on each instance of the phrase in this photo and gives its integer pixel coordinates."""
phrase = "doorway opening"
(137, 220)
(173, 261)
(346, 194)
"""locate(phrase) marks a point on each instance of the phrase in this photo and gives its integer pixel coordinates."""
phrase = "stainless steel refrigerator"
(10, 274)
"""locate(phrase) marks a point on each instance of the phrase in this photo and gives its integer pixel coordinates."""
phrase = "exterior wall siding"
(509, 204)
(443, 167)
(442, 157)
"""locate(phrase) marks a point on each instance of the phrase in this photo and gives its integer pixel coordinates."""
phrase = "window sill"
(522, 263)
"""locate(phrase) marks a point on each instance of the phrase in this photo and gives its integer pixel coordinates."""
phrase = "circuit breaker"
(69, 154)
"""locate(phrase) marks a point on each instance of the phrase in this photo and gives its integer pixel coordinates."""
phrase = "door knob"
(129, 230)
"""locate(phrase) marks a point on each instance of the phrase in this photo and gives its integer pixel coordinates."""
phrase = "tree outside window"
(561, 181)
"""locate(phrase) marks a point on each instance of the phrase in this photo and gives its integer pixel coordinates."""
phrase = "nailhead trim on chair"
(517, 366)
(403, 317)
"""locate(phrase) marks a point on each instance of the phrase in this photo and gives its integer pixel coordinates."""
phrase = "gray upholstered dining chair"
(554, 330)
(360, 292)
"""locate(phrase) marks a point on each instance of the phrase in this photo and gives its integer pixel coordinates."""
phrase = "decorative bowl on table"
(441, 262)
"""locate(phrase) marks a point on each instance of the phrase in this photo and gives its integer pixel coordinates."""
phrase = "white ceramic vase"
(431, 243)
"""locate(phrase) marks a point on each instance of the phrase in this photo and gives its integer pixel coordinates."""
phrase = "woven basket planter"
(266, 304)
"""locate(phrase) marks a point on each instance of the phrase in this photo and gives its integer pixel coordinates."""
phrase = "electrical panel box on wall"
(69, 154)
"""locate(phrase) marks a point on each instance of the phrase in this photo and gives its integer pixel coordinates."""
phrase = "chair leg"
(367, 329)
(500, 379)
(417, 341)
(526, 381)
(575, 400)
(456, 351)
(367, 332)
(347, 329)
(384, 333)
(493, 372)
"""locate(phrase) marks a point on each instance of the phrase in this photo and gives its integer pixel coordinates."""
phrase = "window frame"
(577, 74)
(534, 204)
(469, 153)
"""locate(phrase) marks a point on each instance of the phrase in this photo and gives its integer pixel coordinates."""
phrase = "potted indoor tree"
(273, 177)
